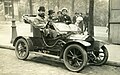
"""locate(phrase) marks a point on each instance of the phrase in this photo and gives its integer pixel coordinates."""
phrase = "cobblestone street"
(37, 65)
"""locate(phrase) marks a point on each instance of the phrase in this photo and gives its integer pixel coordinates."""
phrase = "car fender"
(28, 40)
(100, 43)
(79, 42)
(83, 42)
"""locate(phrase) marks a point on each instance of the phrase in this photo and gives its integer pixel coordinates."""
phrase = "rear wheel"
(75, 57)
(101, 57)
(22, 49)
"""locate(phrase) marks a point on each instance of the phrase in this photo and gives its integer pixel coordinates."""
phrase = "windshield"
(62, 27)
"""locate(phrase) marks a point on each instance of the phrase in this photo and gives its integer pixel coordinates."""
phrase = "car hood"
(78, 37)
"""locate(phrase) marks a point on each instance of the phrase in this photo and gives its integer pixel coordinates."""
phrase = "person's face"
(77, 14)
(59, 14)
(53, 14)
(64, 12)
(41, 13)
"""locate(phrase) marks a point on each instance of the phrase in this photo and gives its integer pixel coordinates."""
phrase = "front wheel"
(22, 49)
(101, 57)
(75, 57)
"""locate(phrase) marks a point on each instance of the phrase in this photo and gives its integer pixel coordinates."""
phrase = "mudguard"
(29, 41)
(82, 42)
(100, 43)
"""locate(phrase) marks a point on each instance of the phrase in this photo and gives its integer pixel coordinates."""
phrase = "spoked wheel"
(75, 57)
(21, 49)
(101, 57)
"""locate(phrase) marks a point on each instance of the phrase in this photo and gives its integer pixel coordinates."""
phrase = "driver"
(39, 22)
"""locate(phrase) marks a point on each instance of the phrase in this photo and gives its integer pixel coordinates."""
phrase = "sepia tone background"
(36, 65)
(82, 6)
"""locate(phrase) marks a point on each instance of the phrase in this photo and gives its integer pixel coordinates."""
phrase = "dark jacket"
(66, 19)
(74, 19)
(50, 20)
(59, 19)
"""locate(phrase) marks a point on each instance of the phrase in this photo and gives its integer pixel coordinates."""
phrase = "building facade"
(6, 9)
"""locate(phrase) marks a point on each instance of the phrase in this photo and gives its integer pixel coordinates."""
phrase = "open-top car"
(75, 49)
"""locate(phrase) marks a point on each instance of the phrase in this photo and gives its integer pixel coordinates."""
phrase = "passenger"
(65, 17)
(51, 15)
(81, 24)
(86, 21)
(59, 16)
(78, 22)
(51, 19)
(75, 17)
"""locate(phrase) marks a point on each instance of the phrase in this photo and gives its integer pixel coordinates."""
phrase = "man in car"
(75, 17)
(39, 22)
(51, 19)
(59, 16)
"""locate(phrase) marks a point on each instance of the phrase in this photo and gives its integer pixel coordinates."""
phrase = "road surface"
(37, 65)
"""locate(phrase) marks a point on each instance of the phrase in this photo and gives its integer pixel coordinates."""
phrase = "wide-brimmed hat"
(50, 12)
(76, 13)
(64, 9)
(41, 8)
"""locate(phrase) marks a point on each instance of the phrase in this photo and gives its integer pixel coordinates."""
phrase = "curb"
(7, 47)
(110, 63)
(113, 63)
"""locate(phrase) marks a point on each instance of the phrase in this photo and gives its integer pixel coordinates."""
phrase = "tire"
(22, 49)
(104, 59)
(75, 58)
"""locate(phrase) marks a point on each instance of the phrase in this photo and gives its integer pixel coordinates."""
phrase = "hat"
(50, 12)
(76, 13)
(64, 9)
(59, 12)
(41, 8)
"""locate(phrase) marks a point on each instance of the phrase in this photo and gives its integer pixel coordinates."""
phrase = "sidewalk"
(24, 29)
(6, 32)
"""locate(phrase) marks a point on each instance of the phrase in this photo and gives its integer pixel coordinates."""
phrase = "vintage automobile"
(75, 49)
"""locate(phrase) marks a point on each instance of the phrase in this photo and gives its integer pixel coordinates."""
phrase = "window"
(0, 1)
(8, 7)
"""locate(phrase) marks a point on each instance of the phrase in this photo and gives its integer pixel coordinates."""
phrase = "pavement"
(24, 29)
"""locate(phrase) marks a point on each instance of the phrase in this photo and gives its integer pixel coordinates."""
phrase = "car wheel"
(101, 57)
(22, 49)
(75, 57)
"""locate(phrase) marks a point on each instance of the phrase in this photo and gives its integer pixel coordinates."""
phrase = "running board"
(43, 54)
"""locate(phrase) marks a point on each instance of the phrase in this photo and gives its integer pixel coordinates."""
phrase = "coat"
(36, 24)
(74, 19)
(66, 19)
